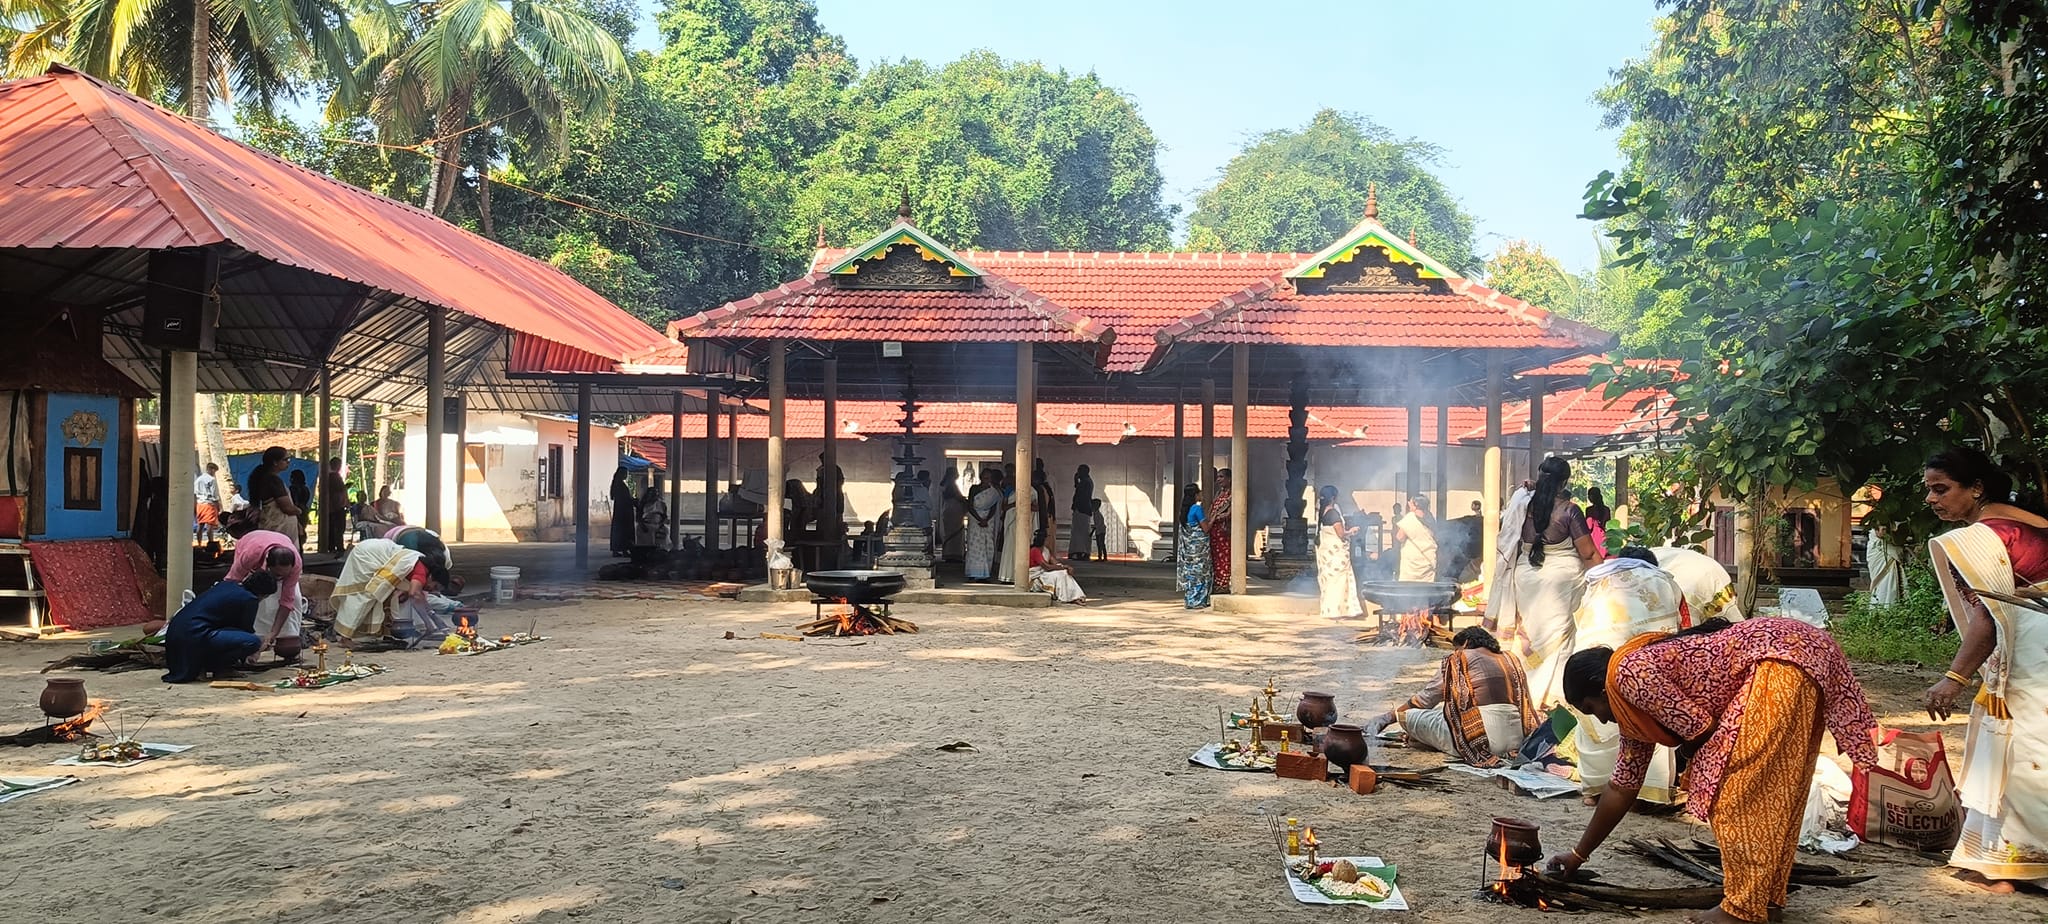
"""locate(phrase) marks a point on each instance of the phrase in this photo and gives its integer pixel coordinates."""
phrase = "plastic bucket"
(504, 583)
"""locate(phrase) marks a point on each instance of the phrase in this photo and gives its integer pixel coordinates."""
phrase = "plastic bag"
(1827, 810)
(776, 559)
(1909, 799)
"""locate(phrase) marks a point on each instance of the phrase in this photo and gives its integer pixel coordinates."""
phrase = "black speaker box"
(181, 307)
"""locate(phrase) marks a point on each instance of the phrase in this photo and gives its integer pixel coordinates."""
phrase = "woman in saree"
(1336, 582)
(1626, 596)
(984, 511)
(1416, 533)
(1217, 527)
(379, 572)
(1191, 568)
(276, 553)
(1006, 526)
(2000, 548)
(952, 531)
(625, 513)
(1708, 588)
(653, 531)
(1753, 698)
(1537, 586)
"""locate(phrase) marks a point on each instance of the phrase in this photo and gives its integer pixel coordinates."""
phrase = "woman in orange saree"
(1753, 698)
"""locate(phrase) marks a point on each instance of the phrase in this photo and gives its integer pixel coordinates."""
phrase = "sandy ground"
(640, 768)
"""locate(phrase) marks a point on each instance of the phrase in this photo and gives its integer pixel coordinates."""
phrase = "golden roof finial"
(821, 234)
(1411, 238)
(1372, 201)
(903, 207)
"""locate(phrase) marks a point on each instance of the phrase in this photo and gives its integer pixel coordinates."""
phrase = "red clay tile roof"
(1587, 414)
(999, 310)
(86, 165)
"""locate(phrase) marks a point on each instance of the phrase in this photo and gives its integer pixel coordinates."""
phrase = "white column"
(181, 393)
(1443, 459)
(1019, 548)
(582, 476)
(778, 397)
(1414, 460)
(1489, 489)
(675, 471)
(1240, 460)
(437, 386)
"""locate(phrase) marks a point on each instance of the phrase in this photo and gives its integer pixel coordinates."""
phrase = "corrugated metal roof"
(92, 178)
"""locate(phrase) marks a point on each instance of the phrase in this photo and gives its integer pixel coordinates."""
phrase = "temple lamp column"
(1019, 548)
(181, 398)
(1207, 474)
(1240, 452)
(778, 397)
(583, 477)
(1489, 488)
(711, 410)
(675, 470)
(437, 413)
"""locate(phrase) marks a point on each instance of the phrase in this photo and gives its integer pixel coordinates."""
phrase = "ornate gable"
(1369, 259)
(904, 258)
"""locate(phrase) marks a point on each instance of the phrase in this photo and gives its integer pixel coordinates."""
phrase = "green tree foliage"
(1521, 269)
(1299, 190)
(1849, 297)
(994, 154)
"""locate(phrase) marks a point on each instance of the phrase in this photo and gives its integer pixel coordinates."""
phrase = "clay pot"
(1344, 745)
(63, 697)
(1316, 710)
(1514, 842)
(288, 647)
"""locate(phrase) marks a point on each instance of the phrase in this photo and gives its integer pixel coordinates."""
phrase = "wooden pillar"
(675, 470)
(778, 398)
(1621, 487)
(1019, 548)
(1443, 459)
(831, 521)
(1207, 473)
(583, 477)
(1414, 460)
(181, 394)
(1535, 429)
(711, 410)
(323, 407)
(437, 386)
(1240, 461)
(1490, 485)
(1180, 475)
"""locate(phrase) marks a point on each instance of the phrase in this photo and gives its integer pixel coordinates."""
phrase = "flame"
(76, 729)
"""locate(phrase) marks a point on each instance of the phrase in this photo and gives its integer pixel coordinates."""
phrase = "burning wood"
(74, 729)
(1415, 629)
(852, 619)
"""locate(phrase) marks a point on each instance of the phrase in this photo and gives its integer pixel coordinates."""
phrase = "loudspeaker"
(181, 304)
(451, 414)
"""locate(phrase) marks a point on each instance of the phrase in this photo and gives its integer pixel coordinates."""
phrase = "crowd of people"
(280, 501)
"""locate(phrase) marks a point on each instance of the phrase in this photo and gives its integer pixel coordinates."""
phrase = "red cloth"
(1218, 528)
(2026, 546)
(1692, 687)
(93, 583)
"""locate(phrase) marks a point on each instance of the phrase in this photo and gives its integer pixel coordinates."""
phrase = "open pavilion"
(1370, 321)
(212, 266)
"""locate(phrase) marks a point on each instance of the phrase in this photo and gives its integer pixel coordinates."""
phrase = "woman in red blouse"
(1752, 698)
(2000, 548)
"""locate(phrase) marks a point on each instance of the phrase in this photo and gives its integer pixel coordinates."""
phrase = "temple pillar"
(437, 414)
(1490, 484)
(778, 399)
(1414, 460)
(675, 470)
(1180, 474)
(181, 398)
(1240, 460)
(831, 523)
(583, 477)
(711, 410)
(325, 407)
(1535, 429)
(1293, 556)
(1443, 458)
(1018, 545)
(1207, 473)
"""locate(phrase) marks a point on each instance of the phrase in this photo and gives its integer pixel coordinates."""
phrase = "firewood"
(1693, 898)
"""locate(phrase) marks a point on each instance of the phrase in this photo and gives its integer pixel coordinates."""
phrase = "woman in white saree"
(2001, 549)
(1538, 579)
(1336, 581)
(378, 572)
(1418, 542)
(983, 519)
(1625, 596)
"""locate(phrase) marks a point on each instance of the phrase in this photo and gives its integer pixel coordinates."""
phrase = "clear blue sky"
(1503, 86)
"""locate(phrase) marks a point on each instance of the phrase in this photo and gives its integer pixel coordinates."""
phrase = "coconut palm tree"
(442, 69)
(189, 51)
